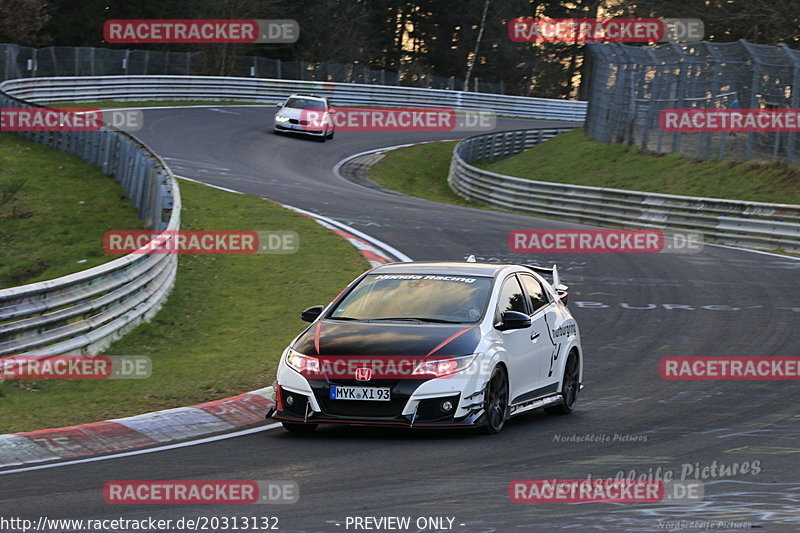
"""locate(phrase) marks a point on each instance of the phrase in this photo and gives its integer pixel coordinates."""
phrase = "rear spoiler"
(553, 272)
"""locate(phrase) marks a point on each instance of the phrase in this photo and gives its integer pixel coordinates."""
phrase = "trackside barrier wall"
(83, 313)
(90, 88)
(750, 224)
(24, 62)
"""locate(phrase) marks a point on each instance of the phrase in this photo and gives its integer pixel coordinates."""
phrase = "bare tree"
(474, 56)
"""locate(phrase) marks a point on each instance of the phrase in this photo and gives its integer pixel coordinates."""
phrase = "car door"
(523, 364)
(544, 349)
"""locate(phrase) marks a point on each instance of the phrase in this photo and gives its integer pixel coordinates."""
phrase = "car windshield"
(416, 297)
(304, 103)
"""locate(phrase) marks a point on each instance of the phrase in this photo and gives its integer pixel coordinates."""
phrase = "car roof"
(444, 267)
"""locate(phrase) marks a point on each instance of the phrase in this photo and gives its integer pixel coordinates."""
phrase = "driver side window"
(511, 297)
(535, 291)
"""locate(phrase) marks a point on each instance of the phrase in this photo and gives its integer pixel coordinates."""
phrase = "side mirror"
(312, 313)
(563, 296)
(513, 320)
(279, 105)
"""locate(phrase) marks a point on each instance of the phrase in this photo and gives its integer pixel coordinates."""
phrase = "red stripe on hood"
(316, 337)
(448, 340)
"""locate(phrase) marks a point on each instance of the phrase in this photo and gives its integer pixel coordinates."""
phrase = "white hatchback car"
(426, 345)
(305, 114)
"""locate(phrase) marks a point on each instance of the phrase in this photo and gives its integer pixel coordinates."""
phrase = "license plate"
(370, 394)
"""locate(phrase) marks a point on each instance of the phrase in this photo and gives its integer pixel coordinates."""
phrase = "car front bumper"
(414, 403)
(297, 128)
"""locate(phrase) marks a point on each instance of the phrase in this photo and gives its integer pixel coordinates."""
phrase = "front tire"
(299, 429)
(569, 387)
(495, 402)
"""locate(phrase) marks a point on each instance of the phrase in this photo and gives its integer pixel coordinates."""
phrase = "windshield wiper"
(342, 318)
(418, 319)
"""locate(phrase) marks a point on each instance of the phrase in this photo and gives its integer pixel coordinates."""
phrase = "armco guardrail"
(87, 89)
(84, 312)
(751, 224)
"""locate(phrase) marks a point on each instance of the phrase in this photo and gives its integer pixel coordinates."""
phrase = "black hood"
(334, 338)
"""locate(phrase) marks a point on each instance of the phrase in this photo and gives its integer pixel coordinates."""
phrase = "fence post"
(791, 139)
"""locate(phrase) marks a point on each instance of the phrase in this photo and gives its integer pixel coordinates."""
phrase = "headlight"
(445, 366)
(302, 363)
(280, 118)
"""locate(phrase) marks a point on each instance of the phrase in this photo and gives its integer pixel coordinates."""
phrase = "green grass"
(59, 215)
(419, 170)
(573, 158)
(222, 329)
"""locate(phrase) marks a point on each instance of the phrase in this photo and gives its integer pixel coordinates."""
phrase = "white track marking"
(372, 240)
(131, 453)
(751, 251)
(208, 184)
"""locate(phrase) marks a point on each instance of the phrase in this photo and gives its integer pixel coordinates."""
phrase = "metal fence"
(630, 85)
(89, 89)
(24, 62)
(751, 224)
(86, 311)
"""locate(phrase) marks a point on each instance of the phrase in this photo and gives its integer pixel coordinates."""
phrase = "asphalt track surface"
(729, 303)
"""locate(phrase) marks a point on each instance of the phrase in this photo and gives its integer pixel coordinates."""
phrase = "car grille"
(296, 121)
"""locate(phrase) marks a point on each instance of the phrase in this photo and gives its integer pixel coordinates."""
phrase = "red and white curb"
(120, 434)
(376, 252)
(170, 425)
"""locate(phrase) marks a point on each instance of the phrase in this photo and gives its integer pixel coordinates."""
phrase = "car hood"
(335, 338)
(289, 112)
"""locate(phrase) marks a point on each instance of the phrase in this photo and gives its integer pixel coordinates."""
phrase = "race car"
(433, 345)
(306, 114)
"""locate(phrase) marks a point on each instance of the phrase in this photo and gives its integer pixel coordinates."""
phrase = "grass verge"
(53, 224)
(571, 157)
(419, 170)
(220, 332)
(574, 158)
